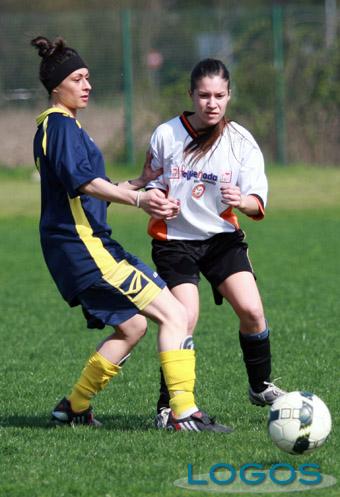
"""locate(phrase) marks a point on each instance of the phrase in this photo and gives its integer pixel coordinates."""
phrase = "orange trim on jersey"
(230, 216)
(157, 228)
(260, 215)
(184, 120)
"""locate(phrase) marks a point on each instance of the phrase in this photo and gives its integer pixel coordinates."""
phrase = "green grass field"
(295, 252)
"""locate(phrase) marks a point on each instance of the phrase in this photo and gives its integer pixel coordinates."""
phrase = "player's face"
(210, 99)
(74, 91)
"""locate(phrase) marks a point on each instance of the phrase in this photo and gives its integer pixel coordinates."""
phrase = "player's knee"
(253, 316)
(136, 336)
(140, 330)
(134, 331)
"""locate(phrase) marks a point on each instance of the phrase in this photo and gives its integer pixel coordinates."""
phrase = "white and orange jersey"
(235, 159)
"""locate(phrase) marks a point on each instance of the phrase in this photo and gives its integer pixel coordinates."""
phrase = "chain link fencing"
(284, 63)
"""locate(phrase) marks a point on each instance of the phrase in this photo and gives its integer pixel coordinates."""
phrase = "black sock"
(257, 358)
(164, 397)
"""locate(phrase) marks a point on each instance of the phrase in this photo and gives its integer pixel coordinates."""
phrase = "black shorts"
(182, 261)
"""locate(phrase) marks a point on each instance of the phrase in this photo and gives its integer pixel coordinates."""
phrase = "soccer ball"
(299, 422)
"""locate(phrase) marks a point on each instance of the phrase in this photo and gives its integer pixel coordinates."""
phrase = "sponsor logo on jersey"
(198, 190)
(178, 172)
(199, 175)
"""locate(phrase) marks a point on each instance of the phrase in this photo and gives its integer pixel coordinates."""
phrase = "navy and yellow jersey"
(74, 233)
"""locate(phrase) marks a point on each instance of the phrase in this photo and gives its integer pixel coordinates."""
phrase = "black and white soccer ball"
(299, 422)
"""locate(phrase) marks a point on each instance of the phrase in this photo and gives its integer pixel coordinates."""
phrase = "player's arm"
(251, 205)
(153, 202)
(249, 195)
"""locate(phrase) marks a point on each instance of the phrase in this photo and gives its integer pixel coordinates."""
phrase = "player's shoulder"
(168, 128)
(64, 121)
(57, 119)
(240, 133)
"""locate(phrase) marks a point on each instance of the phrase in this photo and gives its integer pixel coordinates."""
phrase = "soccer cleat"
(267, 397)
(62, 415)
(198, 421)
(162, 417)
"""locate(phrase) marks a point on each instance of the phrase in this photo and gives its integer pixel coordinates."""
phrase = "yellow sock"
(179, 372)
(94, 377)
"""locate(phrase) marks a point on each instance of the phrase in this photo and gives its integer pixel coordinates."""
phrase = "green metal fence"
(284, 62)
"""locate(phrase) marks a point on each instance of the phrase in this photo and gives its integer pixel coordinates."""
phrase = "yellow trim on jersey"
(43, 118)
(129, 280)
(44, 140)
(51, 110)
(94, 245)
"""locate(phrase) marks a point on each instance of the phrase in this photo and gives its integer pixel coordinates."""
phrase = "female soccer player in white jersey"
(90, 268)
(212, 166)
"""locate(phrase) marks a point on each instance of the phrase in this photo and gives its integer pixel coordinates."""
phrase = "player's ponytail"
(43, 45)
(58, 61)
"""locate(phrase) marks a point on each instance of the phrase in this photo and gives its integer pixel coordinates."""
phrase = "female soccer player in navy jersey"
(212, 166)
(90, 268)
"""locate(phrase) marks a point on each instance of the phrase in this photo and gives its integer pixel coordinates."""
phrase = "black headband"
(63, 70)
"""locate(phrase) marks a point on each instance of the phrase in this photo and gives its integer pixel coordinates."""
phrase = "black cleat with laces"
(198, 421)
(62, 415)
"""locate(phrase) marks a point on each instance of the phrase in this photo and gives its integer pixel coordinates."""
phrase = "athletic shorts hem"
(104, 303)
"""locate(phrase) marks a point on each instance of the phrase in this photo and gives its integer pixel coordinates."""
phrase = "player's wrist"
(138, 199)
(243, 203)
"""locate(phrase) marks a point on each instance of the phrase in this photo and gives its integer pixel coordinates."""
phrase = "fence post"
(280, 115)
(128, 86)
(331, 22)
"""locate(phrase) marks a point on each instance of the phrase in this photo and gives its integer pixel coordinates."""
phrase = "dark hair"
(206, 138)
(58, 61)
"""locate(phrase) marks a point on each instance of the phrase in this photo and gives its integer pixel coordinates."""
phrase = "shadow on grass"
(117, 422)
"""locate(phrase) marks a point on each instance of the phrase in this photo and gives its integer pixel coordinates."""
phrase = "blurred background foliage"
(167, 38)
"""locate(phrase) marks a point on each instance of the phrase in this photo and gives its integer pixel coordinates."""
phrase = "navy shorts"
(182, 261)
(117, 297)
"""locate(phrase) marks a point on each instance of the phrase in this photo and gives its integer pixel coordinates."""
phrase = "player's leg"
(107, 361)
(104, 364)
(115, 302)
(187, 295)
(108, 302)
(134, 288)
(241, 291)
(117, 347)
(176, 263)
(177, 359)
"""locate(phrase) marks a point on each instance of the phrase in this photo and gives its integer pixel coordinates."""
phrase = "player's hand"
(231, 195)
(155, 203)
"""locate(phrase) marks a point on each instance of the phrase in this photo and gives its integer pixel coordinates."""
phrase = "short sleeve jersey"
(235, 159)
(74, 233)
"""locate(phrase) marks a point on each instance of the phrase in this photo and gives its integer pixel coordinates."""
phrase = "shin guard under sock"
(257, 358)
